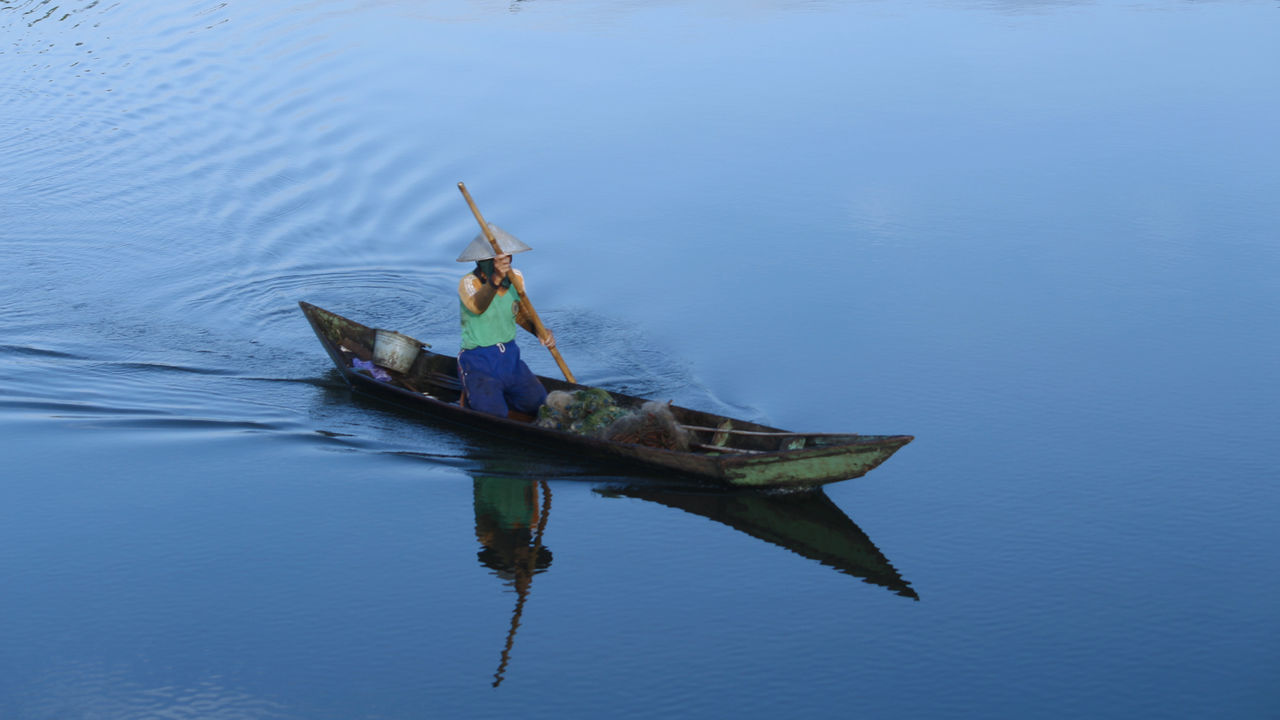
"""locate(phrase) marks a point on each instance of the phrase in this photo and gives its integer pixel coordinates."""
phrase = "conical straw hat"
(480, 249)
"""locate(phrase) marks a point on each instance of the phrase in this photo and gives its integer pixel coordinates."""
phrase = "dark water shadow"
(808, 524)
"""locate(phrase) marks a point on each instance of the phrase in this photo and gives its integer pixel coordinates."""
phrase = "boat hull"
(754, 456)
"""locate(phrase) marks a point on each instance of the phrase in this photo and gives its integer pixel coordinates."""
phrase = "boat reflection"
(512, 512)
(808, 524)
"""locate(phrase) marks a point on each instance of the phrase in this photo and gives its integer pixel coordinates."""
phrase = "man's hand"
(501, 266)
(549, 340)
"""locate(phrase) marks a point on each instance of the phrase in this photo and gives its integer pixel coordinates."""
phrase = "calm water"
(1042, 237)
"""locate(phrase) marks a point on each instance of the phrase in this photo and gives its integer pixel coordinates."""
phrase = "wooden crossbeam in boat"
(446, 381)
(726, 449)
(355, 348)
(761, 433)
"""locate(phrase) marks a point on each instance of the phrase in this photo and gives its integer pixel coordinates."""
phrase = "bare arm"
(476, 294)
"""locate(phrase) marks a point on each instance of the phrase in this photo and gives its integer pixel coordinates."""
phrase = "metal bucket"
(394, 351)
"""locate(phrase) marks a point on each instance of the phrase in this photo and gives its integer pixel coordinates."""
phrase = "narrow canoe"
(726, 450)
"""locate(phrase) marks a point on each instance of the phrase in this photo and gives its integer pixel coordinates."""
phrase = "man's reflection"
(511, 517)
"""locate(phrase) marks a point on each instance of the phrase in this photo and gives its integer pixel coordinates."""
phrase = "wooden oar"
(515, 279)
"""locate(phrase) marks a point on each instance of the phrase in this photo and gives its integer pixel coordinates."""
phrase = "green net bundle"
(593, 412)
(584, 412)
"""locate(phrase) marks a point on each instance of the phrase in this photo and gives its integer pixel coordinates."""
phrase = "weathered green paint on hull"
(813, 467)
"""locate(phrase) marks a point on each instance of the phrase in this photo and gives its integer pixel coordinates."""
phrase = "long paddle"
(515, 279)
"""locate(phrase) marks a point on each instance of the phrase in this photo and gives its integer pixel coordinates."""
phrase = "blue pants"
(496, 379)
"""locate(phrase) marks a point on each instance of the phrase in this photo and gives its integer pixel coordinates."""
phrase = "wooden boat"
(726, 450)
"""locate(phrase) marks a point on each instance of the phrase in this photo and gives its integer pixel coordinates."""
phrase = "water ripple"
(88, 689)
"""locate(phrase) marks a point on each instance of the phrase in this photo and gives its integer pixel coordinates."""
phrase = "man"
(494, 378)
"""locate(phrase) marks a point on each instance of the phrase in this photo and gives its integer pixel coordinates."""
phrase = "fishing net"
(593, 412)
(652, 425)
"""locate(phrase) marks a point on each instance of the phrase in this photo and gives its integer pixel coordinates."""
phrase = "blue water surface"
(1043, 238)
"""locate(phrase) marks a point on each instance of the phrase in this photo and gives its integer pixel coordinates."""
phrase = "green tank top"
(497, 324)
